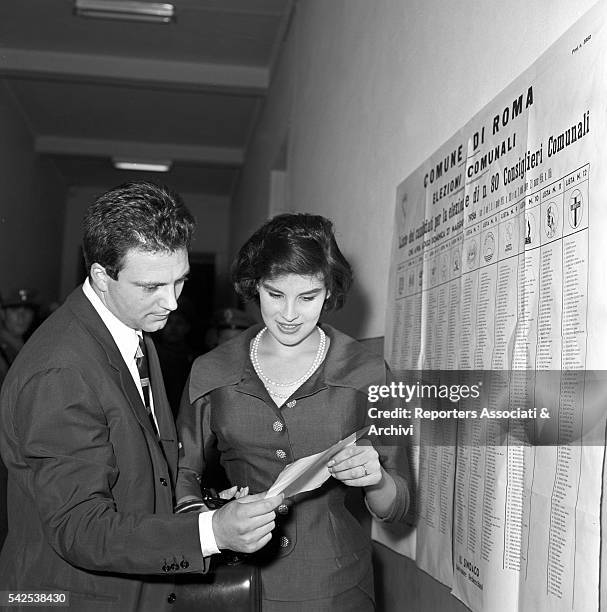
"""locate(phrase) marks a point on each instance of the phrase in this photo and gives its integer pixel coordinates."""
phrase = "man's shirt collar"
(126, 338)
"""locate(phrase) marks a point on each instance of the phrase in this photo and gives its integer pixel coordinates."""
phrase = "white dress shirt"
(127, 341)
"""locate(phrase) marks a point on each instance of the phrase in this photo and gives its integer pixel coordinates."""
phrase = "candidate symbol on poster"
(508, 237)
(551, 220)
(576, 209)
(457, 260)
(529, 228)
(471, 254)
(489, 247)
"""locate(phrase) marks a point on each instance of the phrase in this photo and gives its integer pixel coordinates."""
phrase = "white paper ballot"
(308, 473)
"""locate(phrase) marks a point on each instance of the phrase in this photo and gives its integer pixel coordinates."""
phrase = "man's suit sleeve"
(65, 440)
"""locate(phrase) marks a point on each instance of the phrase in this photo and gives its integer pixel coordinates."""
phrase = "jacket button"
(284, 541)
(171, 598)
(282, 509)
(277, 426)
(164, 482)
(291, 404)
(281, 454)
(184, 564)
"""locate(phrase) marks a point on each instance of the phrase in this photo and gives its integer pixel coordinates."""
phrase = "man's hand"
(245, 524)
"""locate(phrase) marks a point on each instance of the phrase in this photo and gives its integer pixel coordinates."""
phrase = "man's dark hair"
(139, 215)
(300, 244)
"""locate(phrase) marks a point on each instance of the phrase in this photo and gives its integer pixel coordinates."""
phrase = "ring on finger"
(364, 467)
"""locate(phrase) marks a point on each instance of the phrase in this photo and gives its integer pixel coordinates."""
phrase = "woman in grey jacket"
(286, 390)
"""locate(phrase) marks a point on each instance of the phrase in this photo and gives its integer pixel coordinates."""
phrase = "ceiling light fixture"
(141, 166)
(126, 10)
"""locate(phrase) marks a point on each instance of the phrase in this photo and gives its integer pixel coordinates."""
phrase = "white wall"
(366, 90)
(211, 236)
(251, 204)
(32, 196)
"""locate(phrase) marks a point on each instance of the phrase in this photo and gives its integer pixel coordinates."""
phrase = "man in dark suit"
(87, 435)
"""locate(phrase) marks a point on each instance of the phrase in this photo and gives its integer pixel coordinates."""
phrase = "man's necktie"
(144, 375)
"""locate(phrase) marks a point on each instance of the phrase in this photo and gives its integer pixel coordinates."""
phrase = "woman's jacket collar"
(348, 364)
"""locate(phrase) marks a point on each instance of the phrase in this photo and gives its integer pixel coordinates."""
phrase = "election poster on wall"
(498, 286)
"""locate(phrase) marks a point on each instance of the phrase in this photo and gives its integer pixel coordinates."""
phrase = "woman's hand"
(357, 465)
(234, 492)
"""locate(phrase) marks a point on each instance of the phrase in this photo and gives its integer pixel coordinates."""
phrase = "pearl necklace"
(282, 396)
(320, 353)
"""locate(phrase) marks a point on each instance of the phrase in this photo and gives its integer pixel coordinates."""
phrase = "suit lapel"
(87, 314)
(162, 410)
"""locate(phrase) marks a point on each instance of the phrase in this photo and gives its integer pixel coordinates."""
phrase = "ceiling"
(189, 92)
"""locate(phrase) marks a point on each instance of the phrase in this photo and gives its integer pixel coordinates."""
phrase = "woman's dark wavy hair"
(139, 215)
(297, 243)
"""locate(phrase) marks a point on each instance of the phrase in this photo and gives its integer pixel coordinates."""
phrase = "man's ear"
(99, 277)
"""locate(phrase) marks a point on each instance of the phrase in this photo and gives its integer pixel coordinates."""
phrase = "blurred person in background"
(227, 323)
(17, 318)
(175, 351)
